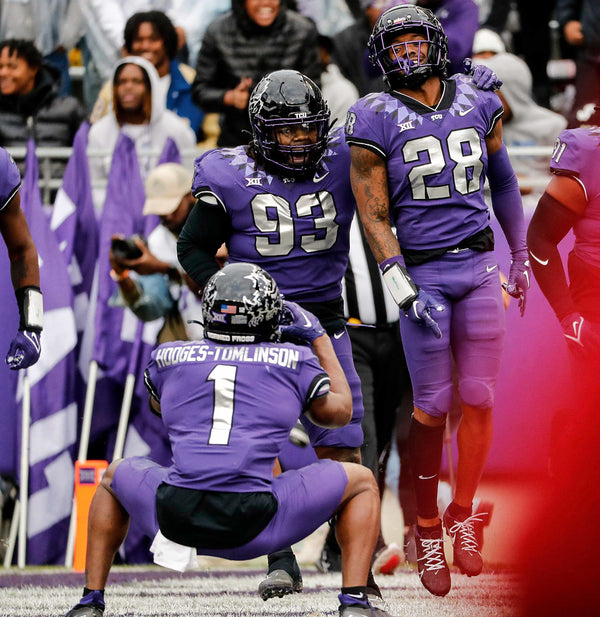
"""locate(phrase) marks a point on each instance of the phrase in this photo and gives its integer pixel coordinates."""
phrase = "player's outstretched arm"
(25, 348)
(22, 253)
(559, 208)
(334, 409)
(508, 208)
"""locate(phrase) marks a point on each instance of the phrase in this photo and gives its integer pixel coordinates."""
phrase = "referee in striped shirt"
(378, 354)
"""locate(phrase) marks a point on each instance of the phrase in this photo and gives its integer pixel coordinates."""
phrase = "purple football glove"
(518, 278)
(580, 335)
(298, 323)
(420, 312)
(24, 350)
(483, 76)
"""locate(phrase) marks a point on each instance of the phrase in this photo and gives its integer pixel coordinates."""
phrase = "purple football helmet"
(393, 59)
(241, 304)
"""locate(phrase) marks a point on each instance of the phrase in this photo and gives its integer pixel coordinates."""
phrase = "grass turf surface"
(232, 591)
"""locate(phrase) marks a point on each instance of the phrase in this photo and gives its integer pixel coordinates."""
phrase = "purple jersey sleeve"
(296, 229)
(10, 178)
(576, 155)
(436, 159)
(228, 409)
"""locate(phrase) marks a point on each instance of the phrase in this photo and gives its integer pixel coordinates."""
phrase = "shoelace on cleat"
(434, 554)
(466, 532)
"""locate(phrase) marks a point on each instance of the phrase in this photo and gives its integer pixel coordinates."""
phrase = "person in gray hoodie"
(139, 112)
(525, 123)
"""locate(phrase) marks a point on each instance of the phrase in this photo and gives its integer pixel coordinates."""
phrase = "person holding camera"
(150, 281)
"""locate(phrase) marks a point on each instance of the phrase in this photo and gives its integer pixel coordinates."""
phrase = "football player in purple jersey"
(25, 348)
(219, 497)
(420, 154)
(285, 203)
(572, 201)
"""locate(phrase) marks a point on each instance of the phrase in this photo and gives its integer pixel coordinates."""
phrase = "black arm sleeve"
(549, 225)
(205, 230)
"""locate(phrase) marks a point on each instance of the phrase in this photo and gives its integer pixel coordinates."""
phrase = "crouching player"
(219, 496)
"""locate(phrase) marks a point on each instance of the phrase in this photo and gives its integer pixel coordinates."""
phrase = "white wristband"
(31, 308)
(401, 286)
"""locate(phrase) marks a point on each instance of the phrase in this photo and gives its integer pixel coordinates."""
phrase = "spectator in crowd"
(426, 178)
(102, 45)
(350, 47)
(195, 17)
(238, 49)
(486, 44)
(54, 27)
(338, 91)
(151, 34)
(580, 23)
(139, 112)
(159, 287)
(460, 20)
(105, 21)
(30, 103)
(25, 348)
(330, 16)
(531, 41)
(524, 123)
(205, 500)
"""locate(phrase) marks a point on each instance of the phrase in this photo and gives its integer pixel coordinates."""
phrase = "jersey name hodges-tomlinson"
(279, 356)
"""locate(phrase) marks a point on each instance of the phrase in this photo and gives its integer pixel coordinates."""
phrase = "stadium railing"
(48, 157)
(522, 158)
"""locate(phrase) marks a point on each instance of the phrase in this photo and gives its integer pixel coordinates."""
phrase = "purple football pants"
(467, 283)
(306, 499)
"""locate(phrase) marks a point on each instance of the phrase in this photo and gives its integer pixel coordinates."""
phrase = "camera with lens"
(126, 248)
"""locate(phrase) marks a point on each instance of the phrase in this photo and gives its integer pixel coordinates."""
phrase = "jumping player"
(420, 154)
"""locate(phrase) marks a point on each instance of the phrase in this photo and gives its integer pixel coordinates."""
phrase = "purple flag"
(53, 426)
(170, 154)
(122, 343)
(115, 328)
(74, 224)
(146, 435)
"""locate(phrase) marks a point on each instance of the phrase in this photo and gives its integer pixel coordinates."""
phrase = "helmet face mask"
(241, 304)
(393, 57)
(290, 123)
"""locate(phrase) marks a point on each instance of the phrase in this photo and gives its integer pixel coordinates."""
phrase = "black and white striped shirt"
(366, 297)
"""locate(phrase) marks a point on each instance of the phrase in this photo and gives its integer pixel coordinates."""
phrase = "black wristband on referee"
(31, 308)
